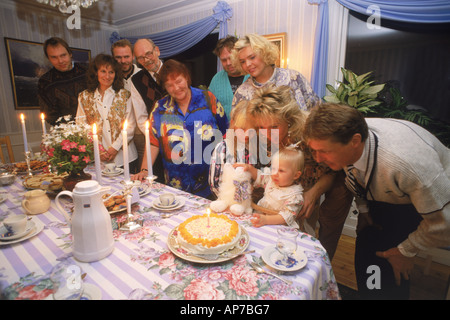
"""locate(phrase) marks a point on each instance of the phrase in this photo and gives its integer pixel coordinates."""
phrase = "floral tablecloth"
(142, 266)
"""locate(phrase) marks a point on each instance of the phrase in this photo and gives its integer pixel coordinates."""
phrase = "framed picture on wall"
(27, 63)
(279, 39)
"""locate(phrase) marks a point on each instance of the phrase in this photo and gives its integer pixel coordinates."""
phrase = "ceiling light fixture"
(63, 5)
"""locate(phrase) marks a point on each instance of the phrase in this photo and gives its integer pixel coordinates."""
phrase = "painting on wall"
(27, 63)
(279, 39)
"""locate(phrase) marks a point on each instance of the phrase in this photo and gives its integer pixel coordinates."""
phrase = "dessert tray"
(185, 254)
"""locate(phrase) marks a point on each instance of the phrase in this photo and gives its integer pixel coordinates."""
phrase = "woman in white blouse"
(106, 103)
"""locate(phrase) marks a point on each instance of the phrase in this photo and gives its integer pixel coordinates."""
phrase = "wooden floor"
(423, 287)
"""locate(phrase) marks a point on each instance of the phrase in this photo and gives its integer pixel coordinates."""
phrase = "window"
(414, 58)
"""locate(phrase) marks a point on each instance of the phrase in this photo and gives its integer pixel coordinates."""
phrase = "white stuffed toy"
(235, 191)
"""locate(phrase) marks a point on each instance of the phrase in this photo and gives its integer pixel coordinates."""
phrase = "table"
(141, 265)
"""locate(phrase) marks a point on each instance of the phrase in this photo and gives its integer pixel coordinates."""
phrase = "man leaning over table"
(146, 90)
(400, 174)
(58, 88)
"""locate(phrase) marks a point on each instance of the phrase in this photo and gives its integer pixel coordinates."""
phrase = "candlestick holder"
(130, 225)
(150, 180)
(27, 160)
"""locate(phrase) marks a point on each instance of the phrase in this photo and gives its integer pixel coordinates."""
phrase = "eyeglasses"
(148, 55)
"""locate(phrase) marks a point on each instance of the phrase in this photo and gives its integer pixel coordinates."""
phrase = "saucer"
(6, 236)
(112, 174)
(272, 258)
(157, 203)
(143, 189)
(39, 226)
(179, 204)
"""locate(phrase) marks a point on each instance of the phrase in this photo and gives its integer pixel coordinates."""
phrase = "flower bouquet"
(69, 146)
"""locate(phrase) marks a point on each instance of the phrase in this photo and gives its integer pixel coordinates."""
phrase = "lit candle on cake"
(24, 132)
(44, 130)
(126, 170)
(96, 154)
(147, 149)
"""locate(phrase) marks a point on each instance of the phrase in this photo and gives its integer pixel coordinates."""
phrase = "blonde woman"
(236, 146)
(256, 56)
(275, 109)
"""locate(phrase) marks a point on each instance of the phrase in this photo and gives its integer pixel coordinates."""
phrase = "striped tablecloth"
(142, 266)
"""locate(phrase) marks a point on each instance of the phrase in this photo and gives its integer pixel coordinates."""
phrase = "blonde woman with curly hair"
(255, 55)
(275, 114)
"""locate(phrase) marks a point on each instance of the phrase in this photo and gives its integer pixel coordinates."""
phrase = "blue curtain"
(417, 11)
(320, 59)
(177, 40)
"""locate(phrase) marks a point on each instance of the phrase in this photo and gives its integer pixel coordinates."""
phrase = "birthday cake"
(215, 234)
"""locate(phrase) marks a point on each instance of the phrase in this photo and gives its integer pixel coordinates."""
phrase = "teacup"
(15, 224)
(35, 202)
(110, 167)
(167, 199)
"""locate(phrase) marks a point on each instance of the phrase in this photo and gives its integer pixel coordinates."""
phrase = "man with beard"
(122, 51)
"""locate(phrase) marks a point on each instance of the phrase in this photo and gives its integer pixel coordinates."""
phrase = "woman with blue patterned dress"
(185, 126)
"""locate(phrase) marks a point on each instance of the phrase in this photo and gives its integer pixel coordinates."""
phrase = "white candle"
(126, 169)
(44, 130)
(209, 212)
(24, 132)
(97, 160)
(147, 148)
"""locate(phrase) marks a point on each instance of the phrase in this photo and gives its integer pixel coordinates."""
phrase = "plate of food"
(51, 182)
(36, 166)
(115, 203)
(194, 241)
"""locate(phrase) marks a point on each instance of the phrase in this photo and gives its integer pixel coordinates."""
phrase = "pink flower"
(167, 260)
(50, 152)
(75, 158)
(73, 145)
(32, 293)
(86, 159)
(65, 145)
(243, 281)
(82, 148)
(200, 290)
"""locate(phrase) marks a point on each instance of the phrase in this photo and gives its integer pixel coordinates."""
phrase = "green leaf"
(332, 99)
(331, 88)
(352, 101)
(373, 90)
(361, 78)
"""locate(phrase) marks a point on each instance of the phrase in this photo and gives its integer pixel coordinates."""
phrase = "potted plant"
(69, 147)
(356, 91)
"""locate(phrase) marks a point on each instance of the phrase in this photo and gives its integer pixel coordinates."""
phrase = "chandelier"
(63, 5)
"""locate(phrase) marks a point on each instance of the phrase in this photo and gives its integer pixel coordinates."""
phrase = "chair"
(6, 141)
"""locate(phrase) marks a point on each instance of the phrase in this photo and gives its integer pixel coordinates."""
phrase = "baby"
(283, 196)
